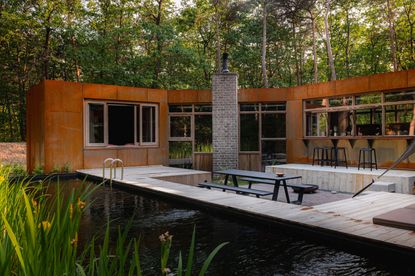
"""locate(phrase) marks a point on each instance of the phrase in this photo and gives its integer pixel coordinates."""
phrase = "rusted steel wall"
(56, 128)
(55, 119)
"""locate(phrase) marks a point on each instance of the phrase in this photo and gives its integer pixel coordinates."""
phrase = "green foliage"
(140, 43)
(38, 170)
(14, 169)
(66, 168)
(40, 236)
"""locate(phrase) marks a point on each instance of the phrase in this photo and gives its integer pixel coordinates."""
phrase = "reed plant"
(40, 236)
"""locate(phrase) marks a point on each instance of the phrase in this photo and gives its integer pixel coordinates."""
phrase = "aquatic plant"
(40, 236)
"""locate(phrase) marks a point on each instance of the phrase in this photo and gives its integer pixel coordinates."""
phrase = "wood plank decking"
(349, 219)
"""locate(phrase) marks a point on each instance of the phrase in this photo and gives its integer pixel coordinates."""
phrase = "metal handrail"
(114, 164)
(103, 168)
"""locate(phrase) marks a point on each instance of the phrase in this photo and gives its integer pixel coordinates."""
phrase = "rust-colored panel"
(63, 137)
(317, 90)
(163, 126)
(35, 126)
(63, 96)
(247, 95)
(204, 96)
(133, 156)
(182, 96)
(353, 85)
(411, 78)
(388, 81)
(272, 94)
(99, 91)
(93, 158)
(157, 156)
(125, 93)
(297, 92)
(157, 96)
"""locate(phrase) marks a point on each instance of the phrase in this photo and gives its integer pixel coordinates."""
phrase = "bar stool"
(322, 154)
(369, 152)
(334, 152)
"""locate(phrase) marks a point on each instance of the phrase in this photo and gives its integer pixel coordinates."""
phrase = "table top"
(254, 174)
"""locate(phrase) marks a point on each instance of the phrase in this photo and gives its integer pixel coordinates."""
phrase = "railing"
(113, 166)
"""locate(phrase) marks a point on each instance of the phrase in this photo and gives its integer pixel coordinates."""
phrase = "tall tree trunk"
(392, 34)
(157, 68)
(347, 61)
(217, 36)
(313, 31)
(295, 48)
(328, 44)
(264, 44)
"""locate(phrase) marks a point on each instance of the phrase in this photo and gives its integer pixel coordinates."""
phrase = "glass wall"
(263, 130)
(374, 114)
(190, 132)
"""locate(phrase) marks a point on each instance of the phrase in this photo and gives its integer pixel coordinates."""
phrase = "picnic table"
(234, 173)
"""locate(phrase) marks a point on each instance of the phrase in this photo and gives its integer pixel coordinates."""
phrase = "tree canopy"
(177, 44)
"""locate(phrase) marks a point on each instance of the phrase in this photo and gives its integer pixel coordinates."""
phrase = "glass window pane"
(399, 119)
(317, 103)
(120, 124)
(180, 126)
(148, 117)
(180, 154)
(273, 125)
(249, 107)
(316, 124)
(203, 108)
(96, 123)
(249, 127)
(273, 152)
(400, 96)
(273, 107)
(342, 101)
(369, 99)
(138, 123)
(180, 108)
(340, 123)
(369, 121)
(203, 133)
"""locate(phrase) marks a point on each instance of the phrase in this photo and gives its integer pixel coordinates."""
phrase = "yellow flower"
(45, 225)
(34, 203)
(1, 178)
(74, 241)
(70, 211)
(81, 204)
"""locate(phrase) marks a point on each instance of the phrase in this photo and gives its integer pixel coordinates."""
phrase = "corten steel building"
(80, 124)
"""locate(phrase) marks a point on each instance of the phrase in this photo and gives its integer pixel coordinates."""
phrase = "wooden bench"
(255, 192)
(300, 188)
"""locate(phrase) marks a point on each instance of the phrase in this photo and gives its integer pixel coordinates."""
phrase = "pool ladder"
(113, 166)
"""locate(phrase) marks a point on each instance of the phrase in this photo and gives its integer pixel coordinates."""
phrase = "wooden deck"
(349, 219)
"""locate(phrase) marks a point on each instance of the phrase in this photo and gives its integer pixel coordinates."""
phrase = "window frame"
(354, 108)
(137, 108)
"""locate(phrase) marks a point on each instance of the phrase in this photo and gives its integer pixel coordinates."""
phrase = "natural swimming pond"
(253, 249)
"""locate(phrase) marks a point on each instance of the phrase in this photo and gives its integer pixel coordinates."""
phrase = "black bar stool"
(334, 152)
(321, 156)
(371, 160)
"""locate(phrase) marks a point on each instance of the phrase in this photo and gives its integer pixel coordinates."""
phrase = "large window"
(190, 131)
(375, 114)
(120, 124)
(263, 130)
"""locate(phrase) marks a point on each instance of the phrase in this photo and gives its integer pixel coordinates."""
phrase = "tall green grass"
(39, 236)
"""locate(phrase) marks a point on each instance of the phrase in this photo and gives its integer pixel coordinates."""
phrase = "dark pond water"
(253, 249)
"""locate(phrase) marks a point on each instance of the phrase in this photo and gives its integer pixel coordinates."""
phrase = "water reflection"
(253, 250)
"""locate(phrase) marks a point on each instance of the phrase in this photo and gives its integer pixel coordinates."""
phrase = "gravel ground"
(13, 153)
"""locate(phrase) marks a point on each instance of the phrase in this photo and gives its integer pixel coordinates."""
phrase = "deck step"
(383, 186)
